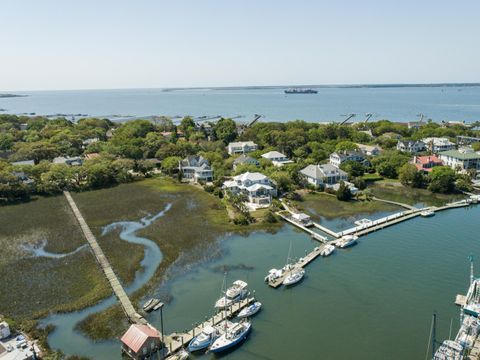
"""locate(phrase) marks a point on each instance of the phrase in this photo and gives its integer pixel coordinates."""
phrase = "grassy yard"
(325, 205)
(395, 191)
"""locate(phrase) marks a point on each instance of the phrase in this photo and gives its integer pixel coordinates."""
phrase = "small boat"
(158, 306)
(202, 341)
(273, 274)
(181, 355)
(347, 240)
(427, 213)
(294, 277)
(233, 336)
(449, 350)
(250, 310)
(238, 291)
(151, 304)
(327, 250)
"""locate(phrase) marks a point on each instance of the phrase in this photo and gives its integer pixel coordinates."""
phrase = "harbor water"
(372, 301)
(330, 104)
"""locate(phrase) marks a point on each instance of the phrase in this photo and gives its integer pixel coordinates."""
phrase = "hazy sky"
(66, 44)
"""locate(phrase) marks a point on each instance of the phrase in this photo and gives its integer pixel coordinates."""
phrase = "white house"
(241, 147)
(338, 158)
(196, 168)
(245, 160)
(277, 158)
(369, 150)
(326, 174)
(411, 146)
(4, 330)
(257, 187)
(461, 159)
(437, 144)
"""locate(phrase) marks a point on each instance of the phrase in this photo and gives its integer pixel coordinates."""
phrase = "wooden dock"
(327, 231)
(312, 233)
(120, 293)
(302, 262)
(176, 341)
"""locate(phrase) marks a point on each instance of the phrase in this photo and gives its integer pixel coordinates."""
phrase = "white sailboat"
(294, 273)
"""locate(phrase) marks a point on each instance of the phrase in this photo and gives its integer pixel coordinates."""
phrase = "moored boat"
(449, 350)
(427, 213)
(238, 291)
(206, 338)
(150, 305)
(250, 310)
(273, 274)
(327, 250)
(294, 277)
(233, 336)
(347, 240)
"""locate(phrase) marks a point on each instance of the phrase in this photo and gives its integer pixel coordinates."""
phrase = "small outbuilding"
(141, 341)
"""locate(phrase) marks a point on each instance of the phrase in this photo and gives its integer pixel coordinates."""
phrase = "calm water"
(373, 301)
(401, 104)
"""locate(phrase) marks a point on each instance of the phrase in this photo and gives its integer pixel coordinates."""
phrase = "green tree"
(170, 164)
(353, 168)
(476, 146)
(225, 130)
(346, 146)
(409, 176)
(343, 192)
(442, 179)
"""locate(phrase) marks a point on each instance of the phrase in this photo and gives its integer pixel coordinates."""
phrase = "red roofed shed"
(140, 341)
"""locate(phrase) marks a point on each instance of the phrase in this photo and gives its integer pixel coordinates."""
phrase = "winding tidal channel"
(69, 340)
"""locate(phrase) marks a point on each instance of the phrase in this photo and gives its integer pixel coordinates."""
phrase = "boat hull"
(233, 343)
(192, 346)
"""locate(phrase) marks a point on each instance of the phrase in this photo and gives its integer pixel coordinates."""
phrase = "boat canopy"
(241, 284)
(208, 330)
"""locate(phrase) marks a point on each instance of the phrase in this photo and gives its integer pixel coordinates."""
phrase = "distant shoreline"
(11, 95)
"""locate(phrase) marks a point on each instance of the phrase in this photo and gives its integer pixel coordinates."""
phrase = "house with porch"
(258, 188)
(425, 164)
(438, 144)
(339, 157)
(245, 160)
(411, 146)
(277, 158)
(326, 174)
(241, 147)
(196, 168)
(461, 159)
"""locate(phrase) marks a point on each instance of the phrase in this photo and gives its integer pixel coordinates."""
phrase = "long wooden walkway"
(313, 234)
(406, 206)
(120, 293)
(176, 341)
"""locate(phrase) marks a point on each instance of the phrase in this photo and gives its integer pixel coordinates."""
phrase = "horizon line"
(259, 87)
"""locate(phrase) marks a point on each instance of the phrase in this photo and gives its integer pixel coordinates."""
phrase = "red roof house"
(426, 163)
(140, 341)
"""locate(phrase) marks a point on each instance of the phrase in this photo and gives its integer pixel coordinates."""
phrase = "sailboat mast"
(434, 340)
(471, 269)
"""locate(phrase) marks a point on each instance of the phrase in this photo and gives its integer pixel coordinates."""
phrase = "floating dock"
(176, 341)
(312, 233)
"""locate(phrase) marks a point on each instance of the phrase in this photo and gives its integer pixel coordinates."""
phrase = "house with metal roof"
(258, 188)
(461, 159)
(438, 144)
(326, 174)
(277, 158)
(411, 146)
(339, 157)
(140, 341)
(196, 168)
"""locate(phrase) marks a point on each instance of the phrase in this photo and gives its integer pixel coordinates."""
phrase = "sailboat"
(295, 273)
(233, 336)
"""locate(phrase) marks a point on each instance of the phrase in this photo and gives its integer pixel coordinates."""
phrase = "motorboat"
(181, 355)
(347, 240)
(150, 305)
(273, 274)
(206, 338)
(250, 310)
(294, 277)
(238, 291)
(449, 350)
(427, 213)
(233, 336)
(327, 250)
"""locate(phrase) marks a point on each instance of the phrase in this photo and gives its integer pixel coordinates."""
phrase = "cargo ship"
(301, 91)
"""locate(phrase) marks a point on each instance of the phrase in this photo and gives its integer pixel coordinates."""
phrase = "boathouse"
(140, 341)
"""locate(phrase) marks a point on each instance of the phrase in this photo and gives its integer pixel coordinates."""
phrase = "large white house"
(277, 158)
(339, 157)
(437, 144)
(241, 147)
(461, 159)
(257, 187)
(369, 150)
(411, 146)
(326, 174)
(196, 168)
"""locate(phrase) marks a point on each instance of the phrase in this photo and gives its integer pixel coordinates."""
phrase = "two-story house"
(258, 188)
(241, 147)
(196, 168)
(339, 157)
(326, 174)
(411, 146)
(277, 158)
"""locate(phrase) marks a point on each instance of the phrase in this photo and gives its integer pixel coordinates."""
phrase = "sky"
(109, 44)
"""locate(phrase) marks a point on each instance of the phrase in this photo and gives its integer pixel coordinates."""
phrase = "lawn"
(325, 205)
(394, 191)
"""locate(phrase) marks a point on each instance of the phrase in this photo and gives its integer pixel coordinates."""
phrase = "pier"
(176, 341)
(102, 260)
(312, 233)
